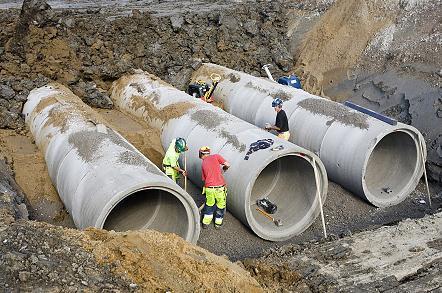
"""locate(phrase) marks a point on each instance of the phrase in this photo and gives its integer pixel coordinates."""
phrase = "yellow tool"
(215, 77)
(277, 222)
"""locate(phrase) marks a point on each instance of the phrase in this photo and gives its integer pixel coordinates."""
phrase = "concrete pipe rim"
(193, 216)
(410, 148)
(286, 231)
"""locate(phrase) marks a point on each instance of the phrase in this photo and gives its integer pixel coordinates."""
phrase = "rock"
(69, 22)
(177, 22)
(33, 12)
(11, 120)
(251, 27)
(24, 276)
(6, 92)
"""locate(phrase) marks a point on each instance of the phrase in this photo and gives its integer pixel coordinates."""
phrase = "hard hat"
(276, 102)
(180, 144)
(205, 150)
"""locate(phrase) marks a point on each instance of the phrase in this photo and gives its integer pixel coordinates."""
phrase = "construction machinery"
(202, 90)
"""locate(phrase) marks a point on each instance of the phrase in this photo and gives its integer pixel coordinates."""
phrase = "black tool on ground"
(202, 90)
(198, 89)
(267, 205)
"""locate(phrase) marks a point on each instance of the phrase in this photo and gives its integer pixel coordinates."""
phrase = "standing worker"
(281, 124)
(170, 162)
(214, 187)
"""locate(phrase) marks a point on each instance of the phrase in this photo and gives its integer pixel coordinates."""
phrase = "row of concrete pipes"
(105, 182)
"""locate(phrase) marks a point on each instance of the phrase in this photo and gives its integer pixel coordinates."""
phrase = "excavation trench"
(280, 171)
(101, 178)
(377, 161)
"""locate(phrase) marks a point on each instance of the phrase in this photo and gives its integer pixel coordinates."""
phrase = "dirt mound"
(336, 42)
(50, 258)
(165, 261)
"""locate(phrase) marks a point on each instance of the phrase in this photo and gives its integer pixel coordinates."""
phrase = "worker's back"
(211, 170)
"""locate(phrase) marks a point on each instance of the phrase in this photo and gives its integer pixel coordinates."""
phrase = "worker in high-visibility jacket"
(170, 162)
(214, 187)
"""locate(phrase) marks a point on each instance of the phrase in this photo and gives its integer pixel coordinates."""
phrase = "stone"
(24, 276)
(6, 92)
(176, 22)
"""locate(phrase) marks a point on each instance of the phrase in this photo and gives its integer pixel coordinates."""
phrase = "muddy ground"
(382, 55)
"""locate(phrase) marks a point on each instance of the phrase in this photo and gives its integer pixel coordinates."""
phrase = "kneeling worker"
(170, 162)
(281, 124)
(214, 187)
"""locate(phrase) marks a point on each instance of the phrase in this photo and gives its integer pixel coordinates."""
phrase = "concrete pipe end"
(161, 208)
(393, 167)
(288, 181)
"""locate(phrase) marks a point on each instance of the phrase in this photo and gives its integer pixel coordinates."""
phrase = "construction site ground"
(391, 65)
(344, 212)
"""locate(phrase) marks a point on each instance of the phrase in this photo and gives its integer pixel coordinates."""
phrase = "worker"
(214, 187)
(281, 124)
(170, 162)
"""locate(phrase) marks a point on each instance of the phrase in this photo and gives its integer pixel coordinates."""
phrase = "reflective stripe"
(221, 186)
(218, 221)
(207, 219)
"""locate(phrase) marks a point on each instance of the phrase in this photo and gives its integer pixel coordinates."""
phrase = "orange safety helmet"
(205, 150)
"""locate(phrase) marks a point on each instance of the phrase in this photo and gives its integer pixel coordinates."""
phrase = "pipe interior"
(391, 165)
(149, 209)
(288, 182)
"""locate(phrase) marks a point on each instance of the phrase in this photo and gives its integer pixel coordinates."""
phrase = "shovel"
(277, 222)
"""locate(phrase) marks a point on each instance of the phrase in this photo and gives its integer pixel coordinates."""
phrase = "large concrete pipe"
(103, 180)
(381, 163)
(283, 173)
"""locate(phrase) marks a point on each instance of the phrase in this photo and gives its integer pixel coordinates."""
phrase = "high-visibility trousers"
(215, 204)
(284, 135)
(172, 173)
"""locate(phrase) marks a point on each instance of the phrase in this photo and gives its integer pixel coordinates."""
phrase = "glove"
(225, 167)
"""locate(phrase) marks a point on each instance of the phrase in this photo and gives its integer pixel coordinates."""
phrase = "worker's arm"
(273, 127)
(182, 171)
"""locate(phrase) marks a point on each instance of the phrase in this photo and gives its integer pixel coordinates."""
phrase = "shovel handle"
(265, 214)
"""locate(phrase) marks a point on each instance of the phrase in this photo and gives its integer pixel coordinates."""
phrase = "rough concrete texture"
(91, 44)
(406, 257)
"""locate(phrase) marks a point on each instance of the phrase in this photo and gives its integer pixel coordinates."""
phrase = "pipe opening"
(288, 182)
(153, 209)
(391, 166)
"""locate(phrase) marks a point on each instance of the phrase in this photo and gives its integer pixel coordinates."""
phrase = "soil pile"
(87, 51)
(39, 255)
(384, 56)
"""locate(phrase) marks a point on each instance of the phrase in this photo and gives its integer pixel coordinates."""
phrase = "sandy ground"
(32, 175)
(344, 213)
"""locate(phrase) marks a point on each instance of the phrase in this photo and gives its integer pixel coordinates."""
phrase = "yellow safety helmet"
(205, 150)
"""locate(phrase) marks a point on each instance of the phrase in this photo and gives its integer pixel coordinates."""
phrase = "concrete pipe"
(283, 172)
(103, 180)
(381, 163)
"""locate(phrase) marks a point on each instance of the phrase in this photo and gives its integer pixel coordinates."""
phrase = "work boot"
(205, 226)
(218, 227)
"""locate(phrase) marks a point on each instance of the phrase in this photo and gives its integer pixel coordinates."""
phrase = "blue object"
(276, 102)
(371, 113)
(291, 80)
